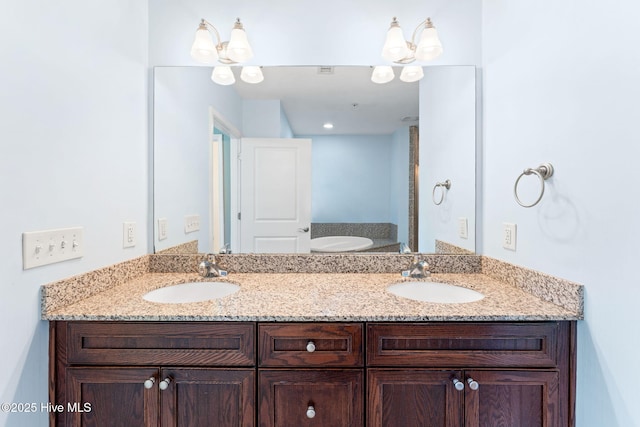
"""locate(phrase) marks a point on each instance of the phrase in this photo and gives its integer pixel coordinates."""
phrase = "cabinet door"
(512, 398)
(414, 398)
(208, 397)
(110, 397)
(312, 398)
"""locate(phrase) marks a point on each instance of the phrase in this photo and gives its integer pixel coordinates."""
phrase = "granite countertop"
(311, 297)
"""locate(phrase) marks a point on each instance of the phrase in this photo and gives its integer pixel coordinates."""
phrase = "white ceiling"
(310, 98)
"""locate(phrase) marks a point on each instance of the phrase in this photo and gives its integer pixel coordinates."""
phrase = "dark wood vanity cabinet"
(153, 374)
(471, 374)
(483, 374)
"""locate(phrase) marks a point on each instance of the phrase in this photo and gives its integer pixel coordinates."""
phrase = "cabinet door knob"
(311, 411)
(311, 347)
(459, 385)
(164, 384)
(150, 382)
(473, 385)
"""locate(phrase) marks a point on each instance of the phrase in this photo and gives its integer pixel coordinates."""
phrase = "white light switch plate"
(191, 223)
(463, 228)
(162, 228)
(129, 234)
(50, 246)
(509, 236)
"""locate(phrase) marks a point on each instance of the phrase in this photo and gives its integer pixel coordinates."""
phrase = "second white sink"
(191, 292)
(435, 292)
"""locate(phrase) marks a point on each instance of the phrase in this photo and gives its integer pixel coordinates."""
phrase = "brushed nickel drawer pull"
(311, 347)
(311, 411)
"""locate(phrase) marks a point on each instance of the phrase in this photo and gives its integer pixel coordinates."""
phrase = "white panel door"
(275, 195)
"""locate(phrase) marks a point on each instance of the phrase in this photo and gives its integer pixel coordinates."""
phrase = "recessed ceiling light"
(328, 125)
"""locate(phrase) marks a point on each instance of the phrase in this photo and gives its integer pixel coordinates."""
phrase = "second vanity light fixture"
(234, 51)
(400, 51)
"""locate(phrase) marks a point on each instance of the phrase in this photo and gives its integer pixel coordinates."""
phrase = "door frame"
(217, 120)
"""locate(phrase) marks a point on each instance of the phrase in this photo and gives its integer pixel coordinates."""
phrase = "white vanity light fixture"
(395, 46)
(328, 125)
(252, 74)
(207, 51)
(411, 73)
(382, 74)
(400, 51)
(223, 75)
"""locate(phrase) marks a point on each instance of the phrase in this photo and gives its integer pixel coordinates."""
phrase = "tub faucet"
(404, 249)
(418, 269)
(210, 269)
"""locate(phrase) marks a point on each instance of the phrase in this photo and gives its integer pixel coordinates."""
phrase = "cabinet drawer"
(464, 344)
(310, 344)
(311, 397)
(152, 343)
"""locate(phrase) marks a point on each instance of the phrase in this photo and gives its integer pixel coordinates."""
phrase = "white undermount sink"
(434, 292)
(191, 292)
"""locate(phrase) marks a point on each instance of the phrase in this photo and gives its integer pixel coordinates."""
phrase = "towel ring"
(442, 185)
(543, 172)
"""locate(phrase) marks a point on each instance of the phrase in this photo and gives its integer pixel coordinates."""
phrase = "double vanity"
(346, 342)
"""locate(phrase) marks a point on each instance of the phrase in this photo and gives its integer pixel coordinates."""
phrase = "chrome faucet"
(404, 249)
(418, 269)
(210, 269)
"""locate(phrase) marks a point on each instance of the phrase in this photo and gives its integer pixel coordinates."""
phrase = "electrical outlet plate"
(463, 228)
(162, 228)
(128, 234)
(509, 236)
(191, 223)
(51, 246)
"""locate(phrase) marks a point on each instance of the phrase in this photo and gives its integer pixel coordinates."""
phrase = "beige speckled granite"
(549, 288)
(184, 248)
(313, 287)
(316, 263)
(66, 291)
(313, 297)
(448, 248)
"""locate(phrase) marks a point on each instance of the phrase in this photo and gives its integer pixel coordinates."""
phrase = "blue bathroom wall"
(350, 178)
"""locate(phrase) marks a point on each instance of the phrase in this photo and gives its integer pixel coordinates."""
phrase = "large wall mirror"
(232, 160)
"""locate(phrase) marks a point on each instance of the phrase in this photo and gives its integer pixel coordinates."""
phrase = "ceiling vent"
(325, 70)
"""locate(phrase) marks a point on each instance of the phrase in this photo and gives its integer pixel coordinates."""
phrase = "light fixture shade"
(203, 49)
(411, 73)
(239, 49)
(395, 46)
(223, 75)
(251, 74)
(429, 47)
(382, 74)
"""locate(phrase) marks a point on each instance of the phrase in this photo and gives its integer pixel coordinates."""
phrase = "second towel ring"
(543, 172)
(443, 185)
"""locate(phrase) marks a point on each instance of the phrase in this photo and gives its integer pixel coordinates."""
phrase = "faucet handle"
(419, 268)
(204, 268)
(208, 268)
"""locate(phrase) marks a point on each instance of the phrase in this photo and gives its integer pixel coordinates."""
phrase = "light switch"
(162, 228)
(191, 223)
(50, 246)
(463, 228)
